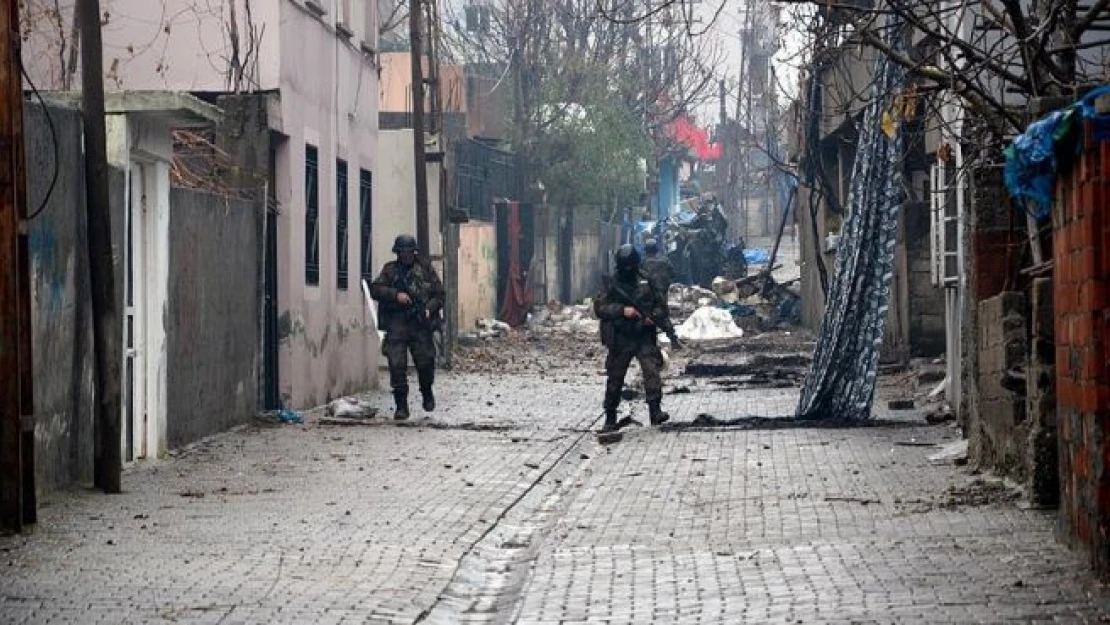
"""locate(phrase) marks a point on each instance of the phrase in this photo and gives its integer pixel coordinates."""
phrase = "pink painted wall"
(328, 88)
(328, 99)
(396, 80)
(180, 45)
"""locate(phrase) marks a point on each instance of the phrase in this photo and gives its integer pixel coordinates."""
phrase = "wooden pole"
(419, 159)
(107, 334)
(17, 486)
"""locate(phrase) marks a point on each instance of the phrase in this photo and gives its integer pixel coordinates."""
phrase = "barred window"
(312, 215)
(341, 224)
(365, 220)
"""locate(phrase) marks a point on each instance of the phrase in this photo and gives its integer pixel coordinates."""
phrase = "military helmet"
(651, 246)
(404, 243)
(628, 259)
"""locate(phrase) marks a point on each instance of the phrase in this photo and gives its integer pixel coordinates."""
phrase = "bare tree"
(557, 59)
(992, 54)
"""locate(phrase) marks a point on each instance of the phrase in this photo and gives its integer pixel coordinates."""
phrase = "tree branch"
(1092, 14)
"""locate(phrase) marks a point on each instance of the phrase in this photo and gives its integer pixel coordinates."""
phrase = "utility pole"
(17, 426)
(418, 158)
(107, 334)
(438, 127)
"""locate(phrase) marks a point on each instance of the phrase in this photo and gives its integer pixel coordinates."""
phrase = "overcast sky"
(725, 34)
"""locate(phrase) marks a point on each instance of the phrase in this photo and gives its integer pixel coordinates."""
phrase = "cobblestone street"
(504, 508)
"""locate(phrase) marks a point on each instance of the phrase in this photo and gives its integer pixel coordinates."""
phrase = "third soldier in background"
(631, 310)
(411, 297)
(657, 267)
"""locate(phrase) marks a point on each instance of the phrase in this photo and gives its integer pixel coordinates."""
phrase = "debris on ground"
(351, 408)
(683, 300)
(608, 438)
(492, 327)
(708, 323)
(940, 415)
(282, 416)
(557, 317)
(757, 303)
(547, 353)
(952, 453)
(981, 492)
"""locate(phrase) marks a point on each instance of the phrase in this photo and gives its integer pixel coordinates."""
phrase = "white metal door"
(134, 319)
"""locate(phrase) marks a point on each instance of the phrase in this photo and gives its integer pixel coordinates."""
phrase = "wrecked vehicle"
(696, 244)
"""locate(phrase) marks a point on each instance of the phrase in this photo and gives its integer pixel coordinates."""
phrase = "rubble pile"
(561, 356)
(557, 317)
(755, 303)
(491, 328)
(683, 300)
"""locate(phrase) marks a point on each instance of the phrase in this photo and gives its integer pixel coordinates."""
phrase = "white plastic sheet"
(708, 323)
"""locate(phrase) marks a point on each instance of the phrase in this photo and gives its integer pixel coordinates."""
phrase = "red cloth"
(518, 299)
(685, 132)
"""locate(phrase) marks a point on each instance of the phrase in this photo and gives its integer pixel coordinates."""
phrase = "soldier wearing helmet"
(626, 309)
(657, 267)
(411, 296)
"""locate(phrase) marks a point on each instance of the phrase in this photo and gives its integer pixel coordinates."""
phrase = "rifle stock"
(663, 324)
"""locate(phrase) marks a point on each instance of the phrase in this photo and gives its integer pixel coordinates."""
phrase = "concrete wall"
(212, 325)
(926, 302)
(395, 196)
(585, 269)
(477, 285)
(813, 297)
(987, 243)
(61, 308)
(576, 245)
(1000, 428)
(395, 88)
(486, 107)
(1081, 254)
(328, 99)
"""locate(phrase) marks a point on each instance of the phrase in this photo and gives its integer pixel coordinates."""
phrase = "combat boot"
(656, 414)
(402, 400)
(427, 377)
(610, 421)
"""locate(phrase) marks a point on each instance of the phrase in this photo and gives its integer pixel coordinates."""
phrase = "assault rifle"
(417, 310)
(663, 323)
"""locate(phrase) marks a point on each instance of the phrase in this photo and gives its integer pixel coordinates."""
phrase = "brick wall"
(1081, 253)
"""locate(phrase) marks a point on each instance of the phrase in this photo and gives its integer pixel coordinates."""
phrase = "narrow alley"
(554, 312)
(502, 507)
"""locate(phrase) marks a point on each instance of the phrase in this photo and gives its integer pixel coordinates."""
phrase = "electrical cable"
(53, 139)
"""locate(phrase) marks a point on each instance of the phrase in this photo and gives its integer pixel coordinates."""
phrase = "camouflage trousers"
(616, 366)
(401, 339)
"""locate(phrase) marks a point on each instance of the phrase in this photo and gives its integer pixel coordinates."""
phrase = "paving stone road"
(503, 508)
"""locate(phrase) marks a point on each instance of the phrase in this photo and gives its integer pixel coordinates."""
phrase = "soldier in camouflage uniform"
(411, 296)
(657, 267)
(629, 334)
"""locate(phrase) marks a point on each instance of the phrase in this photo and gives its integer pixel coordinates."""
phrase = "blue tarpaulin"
(757, 256)
(1041, 151)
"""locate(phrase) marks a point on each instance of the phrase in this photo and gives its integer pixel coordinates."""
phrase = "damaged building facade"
(321, 130)
(1013, 297)
(240, 206)
(825, 137)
